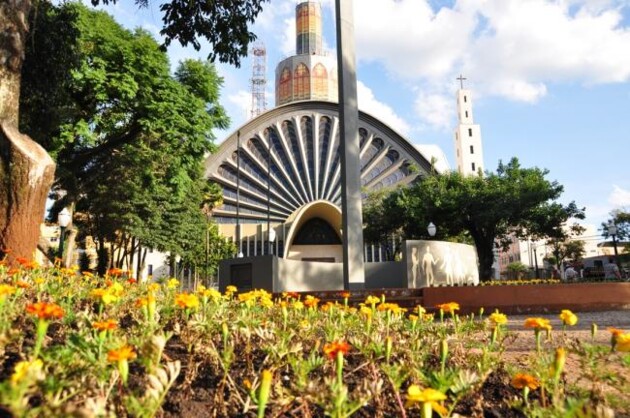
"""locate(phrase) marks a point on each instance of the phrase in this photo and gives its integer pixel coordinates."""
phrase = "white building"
(468, 148)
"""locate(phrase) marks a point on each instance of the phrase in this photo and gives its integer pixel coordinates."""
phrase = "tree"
(486, 208)
(130, 137)
(621, 219)
(26, 169)
(570, 249)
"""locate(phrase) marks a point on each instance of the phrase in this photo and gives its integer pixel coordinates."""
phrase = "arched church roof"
(304, 161)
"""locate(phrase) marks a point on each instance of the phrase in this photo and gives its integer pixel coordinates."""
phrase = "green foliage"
(129, 137)
(224, 25)
(621, 218)
(517, 267)
(487, 209)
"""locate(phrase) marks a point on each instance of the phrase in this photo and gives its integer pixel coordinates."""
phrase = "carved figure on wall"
(415, 266)
(427, 266)
(447, 265)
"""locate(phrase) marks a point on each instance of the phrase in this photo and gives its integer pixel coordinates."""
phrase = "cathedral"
(280, 172)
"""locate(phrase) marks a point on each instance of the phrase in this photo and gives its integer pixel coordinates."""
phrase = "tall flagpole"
(238, 192)
(351, 203)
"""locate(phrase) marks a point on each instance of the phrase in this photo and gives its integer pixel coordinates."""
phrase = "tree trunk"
(26, 170)
(26, 174)
(71, 241)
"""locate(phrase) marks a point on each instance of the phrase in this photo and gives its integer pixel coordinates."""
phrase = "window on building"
(473, 167)
(320, 82)
(284, 88)
(466, 113)
(301, 82)
(150, 269)
(472, 150)
(469, 131)
(465, 99)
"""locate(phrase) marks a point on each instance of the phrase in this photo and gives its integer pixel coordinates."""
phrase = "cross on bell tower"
(461, 79)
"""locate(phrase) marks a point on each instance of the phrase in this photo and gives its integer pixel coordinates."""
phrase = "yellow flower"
(419, 310)
(428, 317)
(104, 295)
(153, 287)
(538, 324)
(413, 318)
(172, 283)
(213, 294)
(521, 380)
(623, 343)
(568, 317)
(372, 300)
(449, 307)
(498, 318)
(428, 397)
(231, 289)
(187, 301)
(367, 312)
(25, 369)
(6, 289)
(416, 394)
(391, 307)
(298, 305)
(116, 289)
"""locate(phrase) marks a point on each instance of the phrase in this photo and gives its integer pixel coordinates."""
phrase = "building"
(281, 171)
(467, 137)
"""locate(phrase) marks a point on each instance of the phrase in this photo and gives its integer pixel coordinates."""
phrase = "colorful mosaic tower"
(311, 74)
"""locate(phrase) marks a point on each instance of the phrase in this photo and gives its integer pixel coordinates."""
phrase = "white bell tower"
(468, 149)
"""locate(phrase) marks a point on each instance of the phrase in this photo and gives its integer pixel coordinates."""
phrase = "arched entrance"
(315, 233)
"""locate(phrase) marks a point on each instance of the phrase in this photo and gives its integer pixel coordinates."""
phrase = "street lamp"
(612, 230)
(272, 238)
(177, 259)
(431, 229)
(63, 219)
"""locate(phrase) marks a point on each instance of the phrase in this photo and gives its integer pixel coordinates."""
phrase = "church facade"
(281, 171)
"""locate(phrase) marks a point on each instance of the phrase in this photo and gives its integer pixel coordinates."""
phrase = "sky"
(550, 80)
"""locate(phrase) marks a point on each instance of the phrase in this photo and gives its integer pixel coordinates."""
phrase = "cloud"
(368, 103)
(240, 105)
(438, 110)
(508, 48)
(619, 197)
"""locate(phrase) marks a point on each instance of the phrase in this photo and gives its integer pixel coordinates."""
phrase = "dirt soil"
(202, 393)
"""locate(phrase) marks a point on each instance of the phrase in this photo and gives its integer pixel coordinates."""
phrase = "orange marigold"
(331, 349)
(45, 310)
(22, 284)
(538, 324)
(121, 354)
(521, 380)
(615, 331)
(311, 301)
(108, 325)
(448, 307)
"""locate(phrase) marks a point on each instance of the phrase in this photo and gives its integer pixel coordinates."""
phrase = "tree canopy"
(26, 169)
(514, 200)
(129, 137)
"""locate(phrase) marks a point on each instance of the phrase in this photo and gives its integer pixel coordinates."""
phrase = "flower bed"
(77, 345)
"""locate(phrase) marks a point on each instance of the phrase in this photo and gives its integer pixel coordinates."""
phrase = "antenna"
(258, 82)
